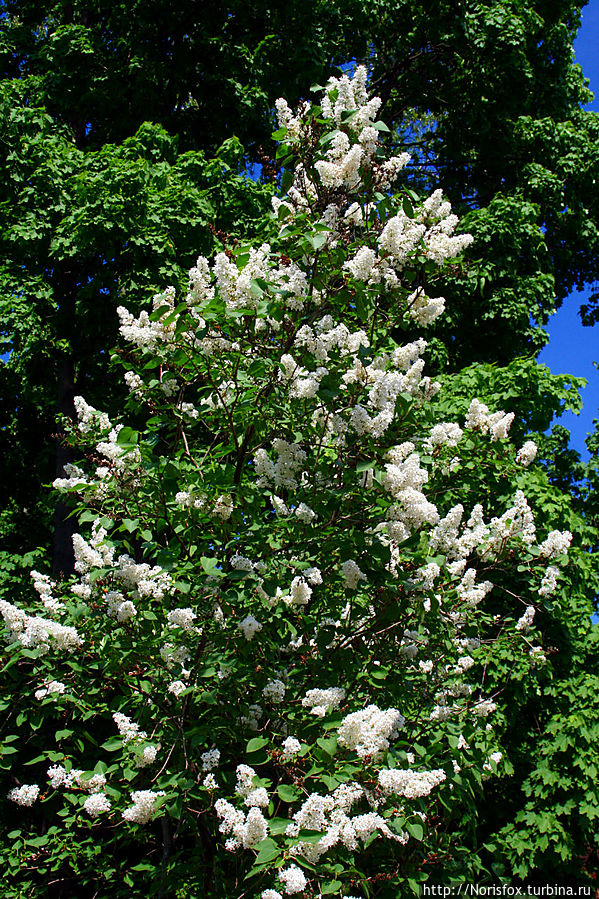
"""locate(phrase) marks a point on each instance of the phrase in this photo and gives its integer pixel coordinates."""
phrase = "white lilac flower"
(527, 453)
(97, 803)
(291, 747)
(127, 728)
(252, 719)
(255, 828)
(294, 880)
(245, 780)
(176, 687)
(24, 795)
(408, 783)
(210, 759)
(147, 756)
(53, 688)
(557, 543)
(299, 592)
(524, 623)
(257, 798)
(312, 575)
(143, 806)
(322, 701)
(175, 655)
(368, 731)
(305, 513)
(424, 310)
(274, 691)
(352, 574)
(549, 582)
(249, 627)
(210, 782)
(33, 632)
(182, 618)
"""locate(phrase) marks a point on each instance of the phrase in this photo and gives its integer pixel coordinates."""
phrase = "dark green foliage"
(554, 835)
(203, 71)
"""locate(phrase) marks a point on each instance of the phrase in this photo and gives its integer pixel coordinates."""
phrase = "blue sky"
(572, 348)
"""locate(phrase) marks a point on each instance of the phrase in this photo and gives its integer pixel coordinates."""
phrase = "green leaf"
(209, 566)
(416, 830)
(318, 240)
(286, 181)
(256, 743)
(365, 466)
(127, 437)
(329, 744)
(408, 208)
(267, 851)
(287, 793)
(112, 745)
(278, 825)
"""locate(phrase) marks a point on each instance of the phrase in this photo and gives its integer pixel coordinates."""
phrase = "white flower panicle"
(43, 586)
(182, 618)
(143, 808)
(128, 729)
(245, 830)
(118, 607)
(549, 582)
(424, 310)
(497, 424)
(33, 632)
(557, 543)
(484, 708)
(274, 691)
(368, 731)
(24, 795)
(408, 783)
(89, 419)
(52, 688)
(283, 472)
(177, 687)
(249, 627)
(352, 574)
(291, 747)
(210, 759)
(299, 592)
(524, 623)
(96, 804)
(527, 453)
(320, 702)
(294, 880)
(142, 331)
(90, 783)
